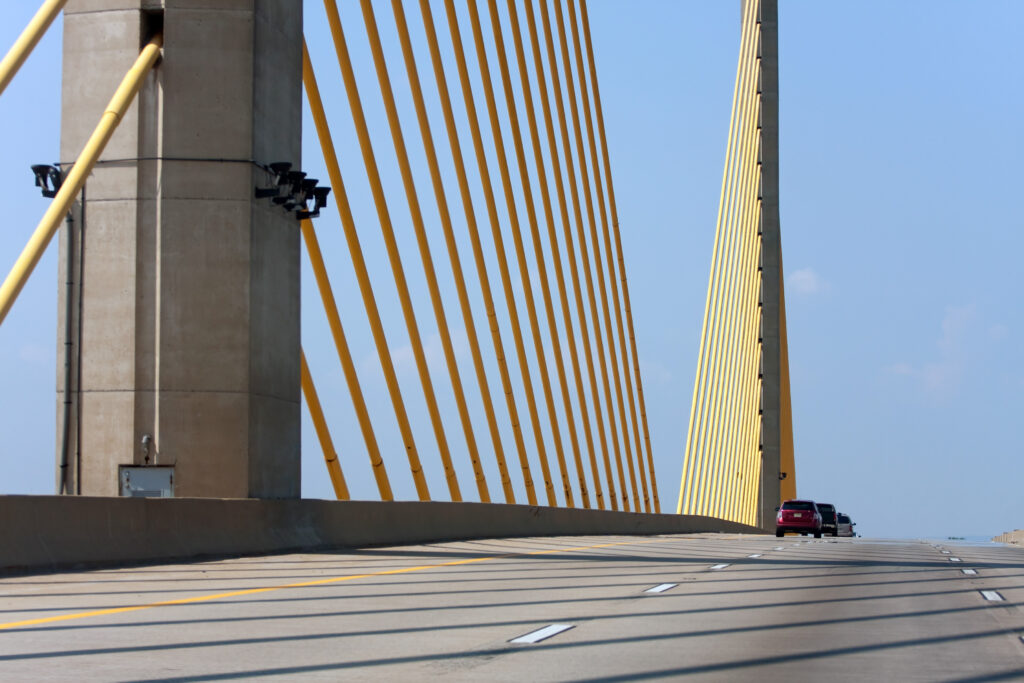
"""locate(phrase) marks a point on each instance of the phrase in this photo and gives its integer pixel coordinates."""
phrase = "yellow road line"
(305, 584)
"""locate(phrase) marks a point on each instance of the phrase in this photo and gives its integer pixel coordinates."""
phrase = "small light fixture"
(319, 202)
(48, 179)
(292, 191)
(279, 169)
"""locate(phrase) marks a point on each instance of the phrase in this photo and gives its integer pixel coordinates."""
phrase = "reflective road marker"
(661, 588)
(719, 566)
(542, 634)
(970, 572)
(993, 596)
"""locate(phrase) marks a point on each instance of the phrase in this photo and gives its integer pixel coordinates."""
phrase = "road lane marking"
(992, 596)
(317, 582)
(754, 556)
(719, 566)
(542, 634)
(955, 559)
(661, 588)
(970, 572)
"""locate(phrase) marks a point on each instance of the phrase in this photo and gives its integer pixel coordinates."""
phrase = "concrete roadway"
(788, 609)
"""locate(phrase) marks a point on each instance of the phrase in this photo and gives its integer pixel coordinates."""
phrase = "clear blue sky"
(902, 229)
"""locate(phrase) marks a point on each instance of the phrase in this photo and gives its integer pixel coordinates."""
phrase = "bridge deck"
(782, 609)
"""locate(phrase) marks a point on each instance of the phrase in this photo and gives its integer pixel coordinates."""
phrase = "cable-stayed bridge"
(159, 368)
(185, 214)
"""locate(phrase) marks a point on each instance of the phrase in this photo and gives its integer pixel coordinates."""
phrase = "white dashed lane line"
(661, 588)
(993, 596)
(542, 634)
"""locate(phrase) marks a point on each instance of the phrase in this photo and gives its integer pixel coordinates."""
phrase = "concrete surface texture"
(185, 297)
(773, 610)
(43, 532)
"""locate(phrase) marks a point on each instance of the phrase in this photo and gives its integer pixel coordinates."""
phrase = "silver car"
(845, 525)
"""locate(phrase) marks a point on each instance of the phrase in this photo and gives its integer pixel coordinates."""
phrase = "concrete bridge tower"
(179, 289)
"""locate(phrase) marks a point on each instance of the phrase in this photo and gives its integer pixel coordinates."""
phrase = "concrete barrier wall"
(49, 532)
(1015, 537)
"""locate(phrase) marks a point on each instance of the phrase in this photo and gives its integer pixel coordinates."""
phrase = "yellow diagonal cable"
(419, 228)
(323, 284)
(570, 170)
(453, 252)
(591, 221)
(622, 265)
(474, 232)
(362, 276)
(556, 172)
(391, 244)
(27, 41)
(72, 184)
(316, 412)
(609, 268)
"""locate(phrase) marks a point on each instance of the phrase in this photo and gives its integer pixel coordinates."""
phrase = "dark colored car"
(798, 516)
(829, 521)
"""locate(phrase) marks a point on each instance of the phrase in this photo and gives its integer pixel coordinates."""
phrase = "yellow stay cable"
(69, 189)
(419, 228)
(474, 235)
(556, 172)
(622, 265)
(609, 280)
(453, 253)
(323, 284)
(570, 169)
(723, 394)
(585, 178)
(391, 244)
(499, 246)
(316, 412)
(362, 275)
(692, 459)
(524, 268)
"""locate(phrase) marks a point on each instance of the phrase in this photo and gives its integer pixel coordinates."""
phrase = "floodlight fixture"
(48, 179)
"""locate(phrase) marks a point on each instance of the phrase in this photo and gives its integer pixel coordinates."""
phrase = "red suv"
(799, 516)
